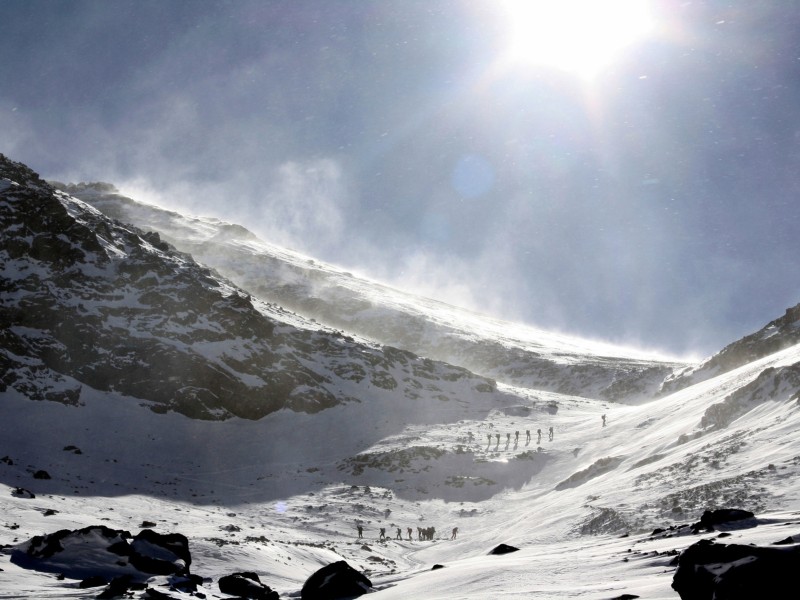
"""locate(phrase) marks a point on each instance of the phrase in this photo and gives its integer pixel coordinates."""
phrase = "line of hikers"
(550, 434)
(423, 533)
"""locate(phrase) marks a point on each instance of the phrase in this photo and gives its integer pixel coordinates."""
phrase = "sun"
(577, 36)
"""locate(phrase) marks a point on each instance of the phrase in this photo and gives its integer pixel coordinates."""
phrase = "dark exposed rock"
(118, 587)
(156, 595)
(93, 581)
(41, 474)
(22, 493)
(503, 549)
(113, 553)
(334, 581)
(707, 570)
(437, 567)
(720, 516)
(172, 554)
(785, 541)
(246, 585)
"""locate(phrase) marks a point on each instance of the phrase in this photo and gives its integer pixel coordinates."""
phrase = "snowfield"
(396, 414)
(270, 497)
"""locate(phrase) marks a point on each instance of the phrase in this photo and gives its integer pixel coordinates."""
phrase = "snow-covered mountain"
(143, 392)
(510, 353)
(87, 301)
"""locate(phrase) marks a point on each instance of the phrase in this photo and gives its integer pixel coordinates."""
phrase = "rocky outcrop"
(104, 553)
(776, 384)
(707, 570)
(88, 301)
(777, 335)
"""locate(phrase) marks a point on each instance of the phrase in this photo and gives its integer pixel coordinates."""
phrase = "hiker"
(604, 420)
(527, 436)
(409, 530)
(399, 535)
(539, 433)
(360, 531)
(455, 531)
(551, 433)
(508, 439)
(383, 534)
(516, 437)
(497, 435)
(489, 436)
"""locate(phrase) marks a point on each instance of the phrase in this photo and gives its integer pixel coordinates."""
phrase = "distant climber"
(604, 420)
(455, 532)
(409, 531)
(508, 438)
(539, 439)
(551, 433)
(399, 535)
(360, 531)
(497, 435)
(383, 534)
(527, 436)
(516, 437)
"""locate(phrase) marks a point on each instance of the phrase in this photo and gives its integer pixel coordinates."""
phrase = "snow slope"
(254, 495)
(596, 511)
(511, 353)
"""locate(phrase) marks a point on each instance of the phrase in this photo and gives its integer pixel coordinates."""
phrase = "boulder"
(334, 581)
(720, 516)
(707, 570)
(503, 549)
(246, 585)
(160, 553)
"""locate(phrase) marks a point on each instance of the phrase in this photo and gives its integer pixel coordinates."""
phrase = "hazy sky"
(653, 201)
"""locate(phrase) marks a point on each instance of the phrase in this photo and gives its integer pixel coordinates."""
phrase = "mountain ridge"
(514, 354)
(120, 310)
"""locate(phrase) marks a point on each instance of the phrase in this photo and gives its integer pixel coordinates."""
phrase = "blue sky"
(655, 204)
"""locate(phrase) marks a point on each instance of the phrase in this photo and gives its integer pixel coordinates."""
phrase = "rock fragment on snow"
(336, 580)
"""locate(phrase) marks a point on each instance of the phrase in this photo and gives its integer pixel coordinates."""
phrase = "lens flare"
(577, 36)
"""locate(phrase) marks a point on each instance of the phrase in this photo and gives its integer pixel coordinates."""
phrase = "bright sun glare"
(577, 36)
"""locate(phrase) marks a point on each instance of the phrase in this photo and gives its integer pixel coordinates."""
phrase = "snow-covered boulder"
(99, 551)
